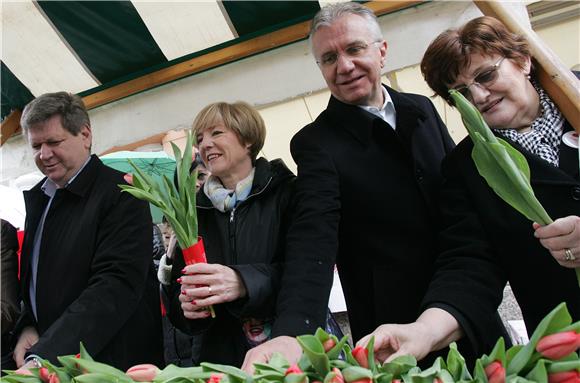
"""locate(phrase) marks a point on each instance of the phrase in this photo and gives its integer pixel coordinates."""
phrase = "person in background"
(368, 175)
(243, 215)
(86, 272)
(484, 241)
(10, 303)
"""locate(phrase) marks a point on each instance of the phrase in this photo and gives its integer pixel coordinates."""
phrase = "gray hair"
(69, 106)
(330, 13)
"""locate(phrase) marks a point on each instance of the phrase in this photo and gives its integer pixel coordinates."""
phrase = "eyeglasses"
(353, 51)
(483, 80)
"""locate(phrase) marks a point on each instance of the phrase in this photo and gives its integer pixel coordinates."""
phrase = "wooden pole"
(9, 126)
(560, 83)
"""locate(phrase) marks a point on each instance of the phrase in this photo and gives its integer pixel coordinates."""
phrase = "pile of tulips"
(550, 357)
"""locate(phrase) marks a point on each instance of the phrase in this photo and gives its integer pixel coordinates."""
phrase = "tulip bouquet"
(505, 169)
(177, 203)
(550, 357)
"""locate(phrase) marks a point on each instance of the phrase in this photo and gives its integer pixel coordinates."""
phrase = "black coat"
(251, 240)
(95, 281)
(485, 243)
(365, 196)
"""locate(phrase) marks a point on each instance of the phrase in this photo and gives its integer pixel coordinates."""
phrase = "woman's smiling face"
(222, 151)
(510, 101)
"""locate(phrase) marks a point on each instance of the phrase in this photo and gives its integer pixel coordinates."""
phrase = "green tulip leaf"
(172, 371)
(399, 366)
(354, 373)
(233, 372)
(456, 364)
(539, 373)
(315, 352)
(563, 366)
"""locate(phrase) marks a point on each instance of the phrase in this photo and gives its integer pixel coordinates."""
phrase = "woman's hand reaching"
(562, 239)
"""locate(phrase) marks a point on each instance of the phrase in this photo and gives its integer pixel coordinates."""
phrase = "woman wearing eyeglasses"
(485, 242)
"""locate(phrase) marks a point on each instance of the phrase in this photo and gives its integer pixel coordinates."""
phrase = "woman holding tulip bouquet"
(242, 214)
(484, 241)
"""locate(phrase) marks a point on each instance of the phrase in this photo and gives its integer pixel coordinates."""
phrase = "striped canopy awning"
(87, 46)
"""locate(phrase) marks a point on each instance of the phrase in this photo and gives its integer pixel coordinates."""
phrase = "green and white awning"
(87, 46)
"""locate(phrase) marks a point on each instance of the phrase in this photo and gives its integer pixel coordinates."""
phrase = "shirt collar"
(387, 111)
(49, 187)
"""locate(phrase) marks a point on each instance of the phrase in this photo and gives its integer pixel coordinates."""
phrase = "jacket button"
(419, 174)
(576, 193)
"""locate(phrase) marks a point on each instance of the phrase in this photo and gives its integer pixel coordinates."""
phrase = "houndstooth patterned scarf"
(544, 137)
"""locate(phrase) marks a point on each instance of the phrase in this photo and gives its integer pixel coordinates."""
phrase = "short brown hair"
(240, 117)
(450, 53)
(68, 106)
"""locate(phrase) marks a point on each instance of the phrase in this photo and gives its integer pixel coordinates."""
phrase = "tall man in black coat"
(368, 172)
(87, 273)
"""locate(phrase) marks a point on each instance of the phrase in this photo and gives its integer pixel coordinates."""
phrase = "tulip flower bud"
(328, 344)
(43, 374)
(293, 369)
(437, 380)
(363, 380)
(396, 381)
(361, 355)
(495, 372)
(142, 372)
(23, 371)
(53, 378)
(215, 378)
(128, 177)
(564, 377)
(337, 378)
(558, 345)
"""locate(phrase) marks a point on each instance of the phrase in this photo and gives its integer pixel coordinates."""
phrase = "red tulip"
(142, 372)
(53, 378)
(363, 380)
(564, 377)
(293, 369)
(215, 378)
(337, 378)
(396, 381)
(495, 372)
(328, 344)
(43, 374)
(361, 355)
(558, 345)
(128, 178)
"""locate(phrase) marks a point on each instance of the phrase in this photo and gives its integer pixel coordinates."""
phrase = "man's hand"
(27, 339)
(432, 331)
(285, 345)
(393, 340)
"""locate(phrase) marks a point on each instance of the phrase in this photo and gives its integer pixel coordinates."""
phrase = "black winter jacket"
(250, 239)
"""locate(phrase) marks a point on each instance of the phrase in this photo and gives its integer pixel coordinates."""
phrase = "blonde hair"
(240, 117)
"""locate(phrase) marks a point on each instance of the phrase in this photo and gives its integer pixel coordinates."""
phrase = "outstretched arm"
(434, 329)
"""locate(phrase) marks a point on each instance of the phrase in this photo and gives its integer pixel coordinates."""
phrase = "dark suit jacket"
(365, 201)
(9, 279)
(95, 281)
(486, 242)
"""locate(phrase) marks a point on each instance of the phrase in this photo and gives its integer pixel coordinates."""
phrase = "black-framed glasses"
(352, 51)
(483, 80)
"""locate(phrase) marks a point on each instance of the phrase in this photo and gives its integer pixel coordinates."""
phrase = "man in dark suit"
(368, 172)
(87, 273)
